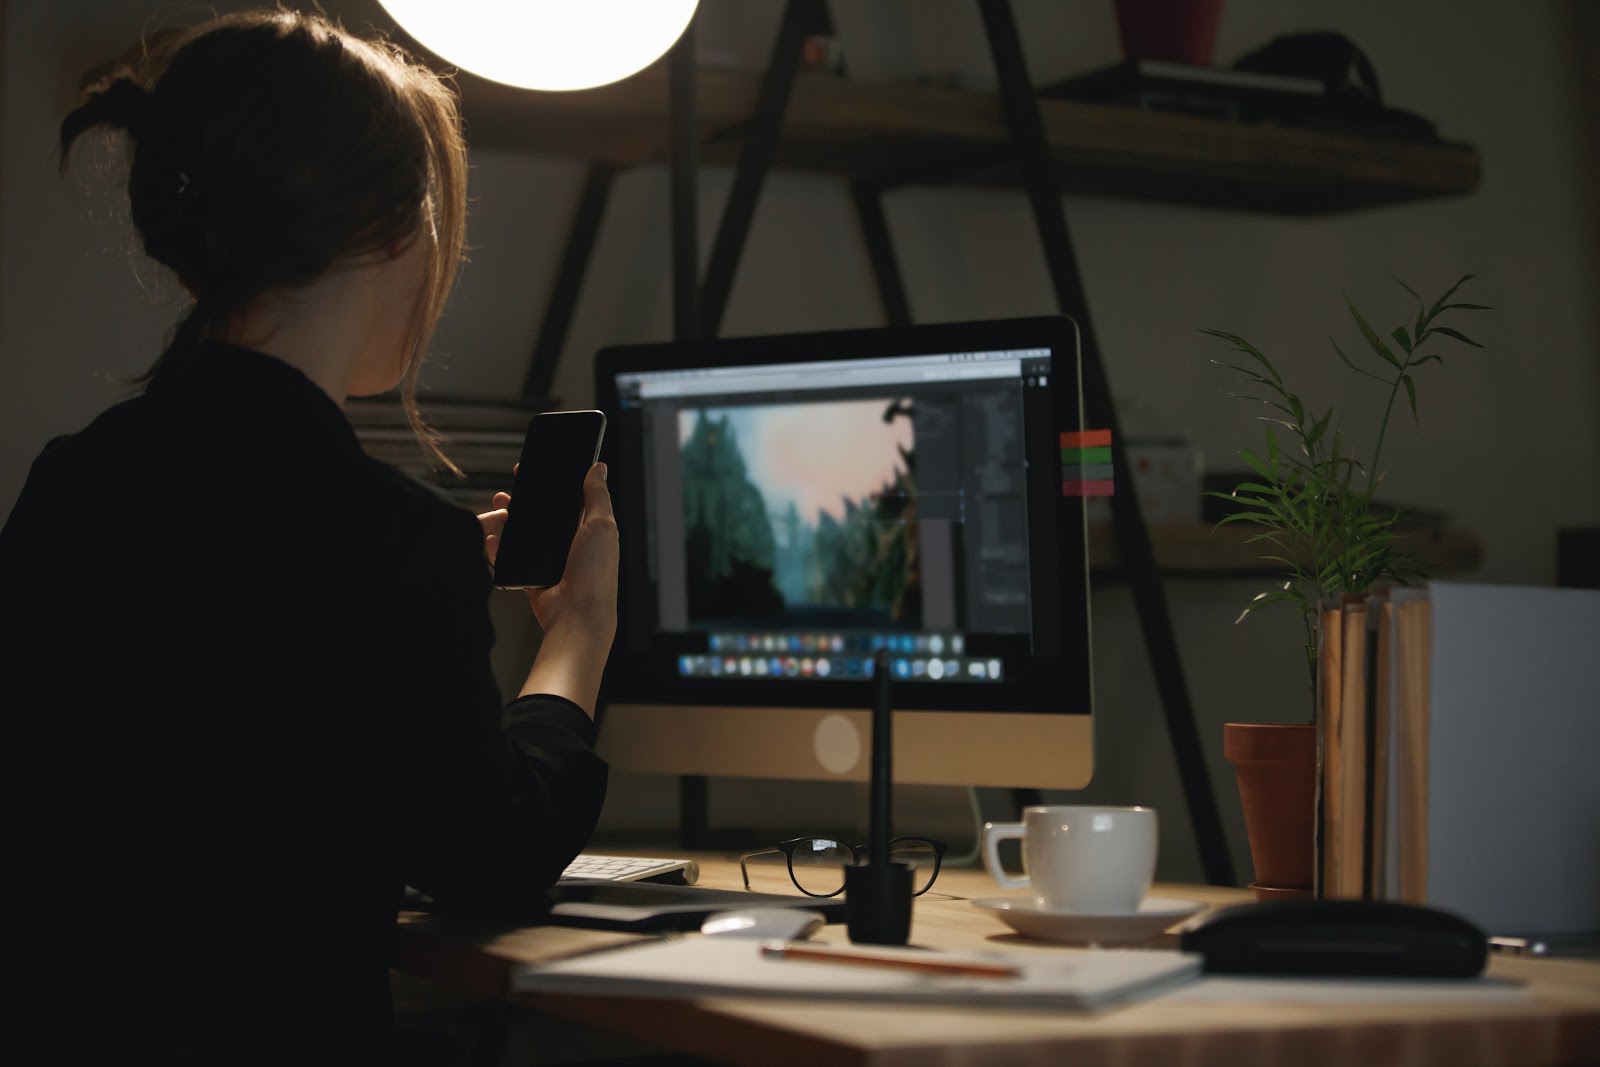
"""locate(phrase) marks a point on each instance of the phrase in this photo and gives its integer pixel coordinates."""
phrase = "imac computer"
(790, 505)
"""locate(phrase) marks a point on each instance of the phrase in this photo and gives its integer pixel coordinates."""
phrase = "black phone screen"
(547, 497)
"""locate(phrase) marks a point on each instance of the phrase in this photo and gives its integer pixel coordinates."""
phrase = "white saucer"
(1031, 919)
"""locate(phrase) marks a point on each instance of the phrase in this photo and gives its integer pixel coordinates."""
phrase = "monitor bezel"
(1058, 689)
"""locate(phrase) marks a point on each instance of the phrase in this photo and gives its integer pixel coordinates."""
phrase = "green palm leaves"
(1310, 503)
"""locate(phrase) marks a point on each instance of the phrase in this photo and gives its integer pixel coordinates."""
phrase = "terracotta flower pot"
(1276, 768)
(1181, 31)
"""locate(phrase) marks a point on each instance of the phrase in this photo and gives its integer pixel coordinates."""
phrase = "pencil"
(932, 965)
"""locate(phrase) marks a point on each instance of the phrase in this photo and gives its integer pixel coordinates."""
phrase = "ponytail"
(166, 194)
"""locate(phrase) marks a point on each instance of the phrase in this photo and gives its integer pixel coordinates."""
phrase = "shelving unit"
(1202, 550)
(893, 134)
(880, 137)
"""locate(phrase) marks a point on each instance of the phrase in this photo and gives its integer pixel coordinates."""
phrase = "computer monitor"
(789, 505)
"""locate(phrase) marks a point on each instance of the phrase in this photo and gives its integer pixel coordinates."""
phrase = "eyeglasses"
(816, 864)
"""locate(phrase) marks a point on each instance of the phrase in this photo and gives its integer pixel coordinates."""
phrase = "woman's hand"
(492, 521)
(589, 581)
(587, 593)
(578, 613)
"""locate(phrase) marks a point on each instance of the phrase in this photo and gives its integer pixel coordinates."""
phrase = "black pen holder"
(877, 903)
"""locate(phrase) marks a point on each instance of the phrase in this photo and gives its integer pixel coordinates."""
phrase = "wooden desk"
(1561, 1024)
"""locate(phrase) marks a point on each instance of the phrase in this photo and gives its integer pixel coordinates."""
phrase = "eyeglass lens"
(920, 856)
(818, 863)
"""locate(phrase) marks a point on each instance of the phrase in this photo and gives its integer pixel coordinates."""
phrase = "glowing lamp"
(545, 44)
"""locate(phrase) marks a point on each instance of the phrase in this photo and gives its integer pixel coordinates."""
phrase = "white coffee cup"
(1079, 858)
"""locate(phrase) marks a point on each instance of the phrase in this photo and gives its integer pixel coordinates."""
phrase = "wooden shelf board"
(1201, 549)
(928, 134)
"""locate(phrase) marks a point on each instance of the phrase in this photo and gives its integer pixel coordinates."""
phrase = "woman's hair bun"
(162, 182)
(124, 104)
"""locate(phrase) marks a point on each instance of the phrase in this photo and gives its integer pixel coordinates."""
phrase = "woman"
(253, 700)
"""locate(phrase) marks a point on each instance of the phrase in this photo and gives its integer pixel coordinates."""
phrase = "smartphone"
(547, 497)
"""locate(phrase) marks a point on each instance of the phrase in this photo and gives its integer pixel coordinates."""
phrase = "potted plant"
(1311, 505)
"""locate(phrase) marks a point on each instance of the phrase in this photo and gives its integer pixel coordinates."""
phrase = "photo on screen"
(801, 515)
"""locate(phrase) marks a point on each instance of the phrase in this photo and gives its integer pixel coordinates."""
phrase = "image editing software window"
(787, 519)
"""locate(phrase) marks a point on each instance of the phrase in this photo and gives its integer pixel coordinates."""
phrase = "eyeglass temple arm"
(744, 872)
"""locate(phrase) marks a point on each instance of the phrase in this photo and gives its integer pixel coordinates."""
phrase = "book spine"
(1351, 738)
(1374, 760)
(1330, 673)
(1382, 754)
(1411, 751)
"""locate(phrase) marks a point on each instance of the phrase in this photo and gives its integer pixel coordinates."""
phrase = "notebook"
(651, 907)
(694, 965)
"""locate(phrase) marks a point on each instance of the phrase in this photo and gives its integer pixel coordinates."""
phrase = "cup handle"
(993, 834)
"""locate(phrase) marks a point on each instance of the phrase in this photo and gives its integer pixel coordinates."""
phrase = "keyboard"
(633, 869)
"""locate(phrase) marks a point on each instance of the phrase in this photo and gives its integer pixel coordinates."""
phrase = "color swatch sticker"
(1086, 463)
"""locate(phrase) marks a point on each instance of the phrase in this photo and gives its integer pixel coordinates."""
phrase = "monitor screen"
(791, 505)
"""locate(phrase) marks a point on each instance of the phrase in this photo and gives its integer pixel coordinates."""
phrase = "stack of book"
(1373, 682)
(1458, 730)
(1211, 92)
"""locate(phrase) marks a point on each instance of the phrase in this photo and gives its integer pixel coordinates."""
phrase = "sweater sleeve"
(555, 739)
(497, 800)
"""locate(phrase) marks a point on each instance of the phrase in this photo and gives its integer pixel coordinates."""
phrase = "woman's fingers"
(492, 523)
(596, 495)
(588, 587)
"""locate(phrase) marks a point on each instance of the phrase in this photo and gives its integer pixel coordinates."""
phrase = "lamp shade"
(545, 44)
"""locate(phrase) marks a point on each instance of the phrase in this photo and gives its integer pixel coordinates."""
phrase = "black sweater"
(249, 697)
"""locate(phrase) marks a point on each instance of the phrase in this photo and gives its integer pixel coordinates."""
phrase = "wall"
(1508, 444)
